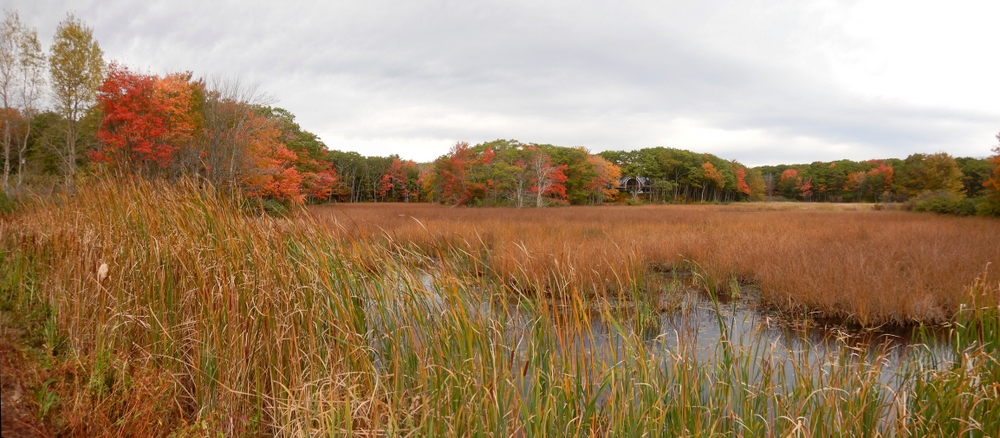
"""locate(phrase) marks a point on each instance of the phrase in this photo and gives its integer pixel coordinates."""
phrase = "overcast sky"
(763, 82)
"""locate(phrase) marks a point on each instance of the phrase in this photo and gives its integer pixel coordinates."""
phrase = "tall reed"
(250, 325)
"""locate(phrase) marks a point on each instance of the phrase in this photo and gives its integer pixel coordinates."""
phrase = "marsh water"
(683, 321)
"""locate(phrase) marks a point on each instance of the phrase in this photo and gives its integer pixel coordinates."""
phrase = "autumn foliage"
(507, 172)
(991, 206)
(147, 119)
(741, 181)
(173, 126)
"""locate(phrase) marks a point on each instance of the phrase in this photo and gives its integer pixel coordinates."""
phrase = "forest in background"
(142, 293)
(67, 114)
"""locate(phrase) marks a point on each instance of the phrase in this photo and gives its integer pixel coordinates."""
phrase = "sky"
(762, 82)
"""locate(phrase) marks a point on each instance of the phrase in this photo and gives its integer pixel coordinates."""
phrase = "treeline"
(676, 175)
(878, 180)
(935, 182)
(105, 118)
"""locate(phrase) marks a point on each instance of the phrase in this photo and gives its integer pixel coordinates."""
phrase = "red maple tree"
(146, 119)
(741, 181)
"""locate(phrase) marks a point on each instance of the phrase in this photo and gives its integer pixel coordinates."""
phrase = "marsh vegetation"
(208, 319)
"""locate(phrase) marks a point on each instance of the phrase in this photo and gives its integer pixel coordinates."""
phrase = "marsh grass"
(211, 321)
(863, 266)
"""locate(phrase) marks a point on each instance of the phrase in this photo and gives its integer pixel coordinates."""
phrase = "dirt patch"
(17, 411)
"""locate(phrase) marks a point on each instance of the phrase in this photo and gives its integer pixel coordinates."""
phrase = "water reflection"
(682, 322)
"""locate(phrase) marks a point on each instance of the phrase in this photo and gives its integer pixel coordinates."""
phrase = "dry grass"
(872, 267)
(214, 322)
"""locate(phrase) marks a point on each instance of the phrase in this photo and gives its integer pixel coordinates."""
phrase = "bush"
(7, 205)
(989, 207)
(944, 202)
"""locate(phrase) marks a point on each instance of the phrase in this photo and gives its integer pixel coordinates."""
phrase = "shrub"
(7, 205)
(944, 202)
(989, 207)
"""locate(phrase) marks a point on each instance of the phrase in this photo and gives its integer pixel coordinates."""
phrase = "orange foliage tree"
(806, 189)
(452, 173)
(147, 119)
(398, 178)
(172, 125)
(879, 179)
(712, 177)
(603, 185)
(271, 172)
(741, 181)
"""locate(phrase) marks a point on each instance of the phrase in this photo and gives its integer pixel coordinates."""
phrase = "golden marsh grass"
(871, 267)
(170, 311)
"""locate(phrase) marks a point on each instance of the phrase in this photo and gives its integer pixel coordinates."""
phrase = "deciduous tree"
(991, 205)
(147, 119)
(603, 186)
(21, 82)
(76, 66)
(10, 34)
(401, 177)
(271, 172)
(548, 180)
(741, 181)
(712, 178)
(31, 84)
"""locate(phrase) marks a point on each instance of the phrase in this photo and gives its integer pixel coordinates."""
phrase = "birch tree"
(76, 65)
(10, 32)
(31, 78)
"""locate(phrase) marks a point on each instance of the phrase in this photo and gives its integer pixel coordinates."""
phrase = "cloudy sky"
(763, 82)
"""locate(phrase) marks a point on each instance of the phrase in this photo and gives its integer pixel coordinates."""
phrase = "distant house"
(635, 184)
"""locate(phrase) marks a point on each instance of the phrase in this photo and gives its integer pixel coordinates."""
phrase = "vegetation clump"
(943, 202)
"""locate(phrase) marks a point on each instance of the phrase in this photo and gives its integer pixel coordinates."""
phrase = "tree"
(147, 119)
(603, 185)
(31, 68)
(401, 178)
(460, 175)
(934, 172)
(768, 180)
(10, 32)
(789, 182)
(878, 181)
(991, 205)
(323, 185)
(229, 126)
(270, 172)
(76, 66)
(21, 81)
(547, 179)
(975, 171)
(451, 174)
(712, 177)
(856, 182)
(806, 189)
(741, 181)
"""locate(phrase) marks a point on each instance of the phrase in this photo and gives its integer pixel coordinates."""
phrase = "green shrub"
(7, 205)
(989, 207)
(944, 202)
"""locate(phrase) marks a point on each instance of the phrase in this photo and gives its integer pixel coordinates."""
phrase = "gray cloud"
(751, 81)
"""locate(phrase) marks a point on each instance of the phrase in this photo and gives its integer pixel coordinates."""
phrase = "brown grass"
(214, 322)
(871, 267)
